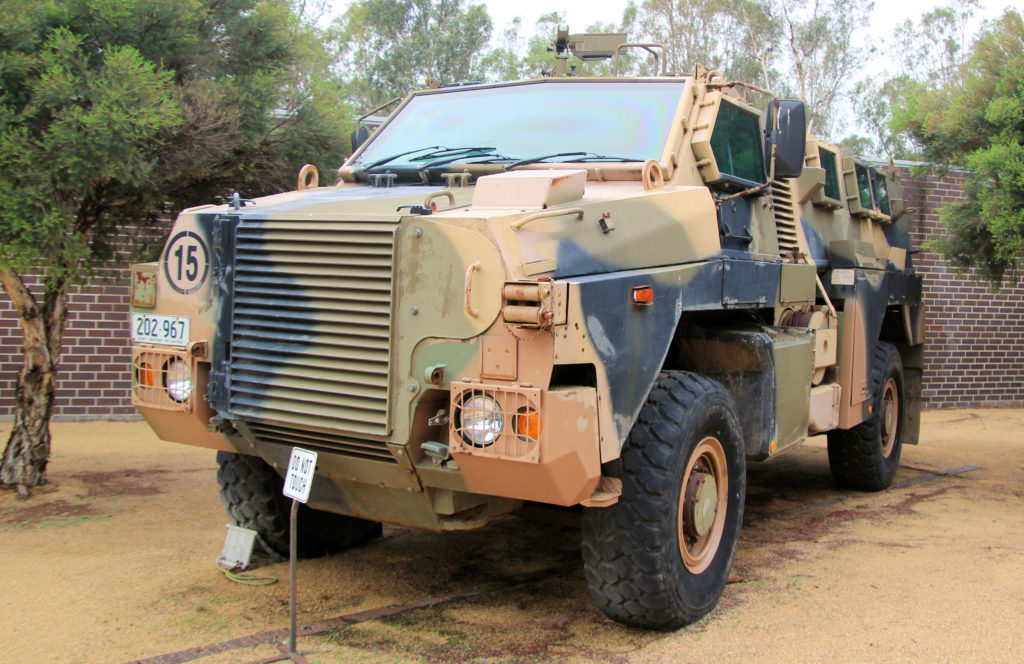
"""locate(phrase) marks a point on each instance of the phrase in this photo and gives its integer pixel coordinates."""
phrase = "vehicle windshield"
(617, 119)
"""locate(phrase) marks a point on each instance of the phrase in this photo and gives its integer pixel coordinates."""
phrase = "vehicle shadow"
(798, 477)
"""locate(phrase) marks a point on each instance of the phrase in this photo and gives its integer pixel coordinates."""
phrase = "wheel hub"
(701, 504)
(890, 417)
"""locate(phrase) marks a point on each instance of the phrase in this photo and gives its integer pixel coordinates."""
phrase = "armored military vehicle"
(610, 293)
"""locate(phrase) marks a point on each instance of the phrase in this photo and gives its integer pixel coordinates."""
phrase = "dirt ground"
(114, 561)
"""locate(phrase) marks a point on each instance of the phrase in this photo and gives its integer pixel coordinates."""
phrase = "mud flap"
(912, 404)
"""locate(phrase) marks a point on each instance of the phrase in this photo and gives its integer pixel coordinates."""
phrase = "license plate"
(154, 329)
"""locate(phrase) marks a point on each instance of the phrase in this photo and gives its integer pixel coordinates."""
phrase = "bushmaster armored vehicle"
(610, 293)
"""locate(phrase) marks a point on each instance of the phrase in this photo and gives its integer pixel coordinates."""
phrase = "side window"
(881, 192)
(827, 159)
(736, 144)
(867, 191)
(864, 187)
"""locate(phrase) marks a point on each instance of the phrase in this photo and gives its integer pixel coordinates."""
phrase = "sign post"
(297, 484)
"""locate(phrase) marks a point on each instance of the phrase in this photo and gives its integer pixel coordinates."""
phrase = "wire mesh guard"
(496, 421)
(162, 380)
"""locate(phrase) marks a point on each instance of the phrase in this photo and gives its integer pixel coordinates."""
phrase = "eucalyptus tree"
(387, 47)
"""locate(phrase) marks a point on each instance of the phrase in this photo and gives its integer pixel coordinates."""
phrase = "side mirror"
(359, 136)
(786, 130)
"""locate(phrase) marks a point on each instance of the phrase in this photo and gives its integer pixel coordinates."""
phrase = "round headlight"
(482, 420)
(178, 379)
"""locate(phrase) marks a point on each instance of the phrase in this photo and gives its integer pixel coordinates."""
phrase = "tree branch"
(23, 300)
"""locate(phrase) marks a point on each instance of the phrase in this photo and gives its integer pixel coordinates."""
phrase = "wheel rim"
(703, 501)
(890, 417)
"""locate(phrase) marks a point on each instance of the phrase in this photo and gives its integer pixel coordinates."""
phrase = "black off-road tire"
(637, 572)
(251, 492)
(866, 456)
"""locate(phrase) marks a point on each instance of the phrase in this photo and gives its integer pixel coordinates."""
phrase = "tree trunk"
(28, 447)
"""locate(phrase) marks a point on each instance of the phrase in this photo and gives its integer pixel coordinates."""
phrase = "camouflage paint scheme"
(332, 318)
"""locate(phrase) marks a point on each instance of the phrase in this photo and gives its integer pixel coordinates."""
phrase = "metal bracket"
(440, 419)
(238, 202)
(382, 179)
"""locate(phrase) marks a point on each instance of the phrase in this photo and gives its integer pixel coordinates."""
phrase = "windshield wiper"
(587, 156)
(487, 157)
(435, 151)
(444, 153)
(385, 160)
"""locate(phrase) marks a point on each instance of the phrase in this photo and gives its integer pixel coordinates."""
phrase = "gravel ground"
(114, 560)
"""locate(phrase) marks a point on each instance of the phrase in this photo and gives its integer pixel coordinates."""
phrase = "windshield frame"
(660, 149)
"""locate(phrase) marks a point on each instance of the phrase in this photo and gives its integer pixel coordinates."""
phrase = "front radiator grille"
(311, 326)
(785, 218)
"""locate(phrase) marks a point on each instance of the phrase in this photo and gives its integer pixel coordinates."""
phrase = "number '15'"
(190, 264)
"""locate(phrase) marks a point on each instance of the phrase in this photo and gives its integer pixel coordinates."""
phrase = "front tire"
(660, 558)
(866, 456)
(251, 492)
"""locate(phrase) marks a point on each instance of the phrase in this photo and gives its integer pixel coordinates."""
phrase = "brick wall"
(975, 353)
(975, 339)
(94, 377)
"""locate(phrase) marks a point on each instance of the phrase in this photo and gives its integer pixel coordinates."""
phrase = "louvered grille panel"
(319, 440)
(785, 218)
(311, 329)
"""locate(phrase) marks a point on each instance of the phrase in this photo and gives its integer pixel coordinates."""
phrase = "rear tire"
(251, 492)
(866, 456)
(660, 558)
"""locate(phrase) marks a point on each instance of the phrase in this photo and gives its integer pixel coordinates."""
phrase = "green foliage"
(113, 111)
(874, 102)
(70, 119)
(389, 47)
(976, 120)
(519, 57)
(929, 54)
(856, 144)
(935, 48)
(731, 36)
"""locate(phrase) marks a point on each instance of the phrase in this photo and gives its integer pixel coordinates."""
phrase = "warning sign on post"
(299, 479)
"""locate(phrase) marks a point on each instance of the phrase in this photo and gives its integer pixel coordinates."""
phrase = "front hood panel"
(347, 201)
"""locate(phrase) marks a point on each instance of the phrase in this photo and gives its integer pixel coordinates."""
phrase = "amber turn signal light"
(147, 376)
(527, 424)
(643, 295)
